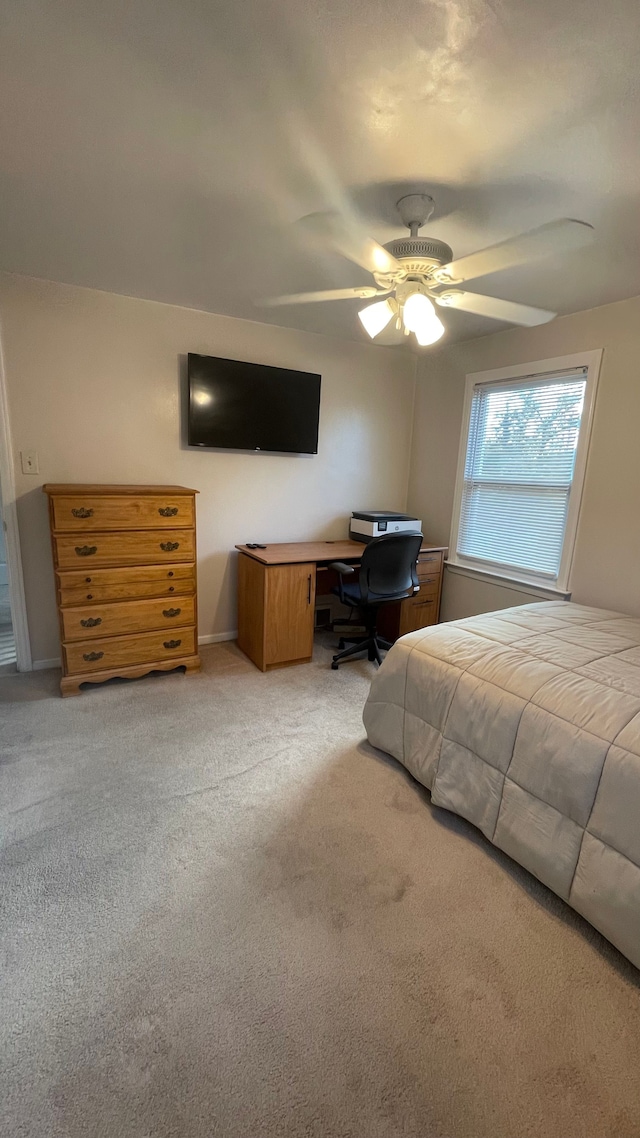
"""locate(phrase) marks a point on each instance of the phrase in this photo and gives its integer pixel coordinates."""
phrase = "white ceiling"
(164, 148)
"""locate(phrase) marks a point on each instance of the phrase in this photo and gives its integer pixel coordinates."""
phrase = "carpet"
(224, 913)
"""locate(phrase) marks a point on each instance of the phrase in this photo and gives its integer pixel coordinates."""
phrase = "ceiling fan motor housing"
(419, 255)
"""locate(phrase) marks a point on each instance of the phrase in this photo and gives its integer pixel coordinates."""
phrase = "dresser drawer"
(114, 619)
(136, 547)
(429, 562)
(86, 512)
(126, 584)
(119, 651)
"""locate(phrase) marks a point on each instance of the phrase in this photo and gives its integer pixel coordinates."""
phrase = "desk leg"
(251, 587)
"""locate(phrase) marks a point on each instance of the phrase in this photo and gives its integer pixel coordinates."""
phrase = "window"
(522, 461)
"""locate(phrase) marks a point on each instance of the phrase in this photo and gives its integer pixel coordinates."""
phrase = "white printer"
(367, 524)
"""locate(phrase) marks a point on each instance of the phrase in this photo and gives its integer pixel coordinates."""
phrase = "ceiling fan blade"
(348, 237)
(363, 293)
(494, 308)
(554, 237)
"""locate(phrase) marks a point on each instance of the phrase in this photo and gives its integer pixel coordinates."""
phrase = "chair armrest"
(342, 567)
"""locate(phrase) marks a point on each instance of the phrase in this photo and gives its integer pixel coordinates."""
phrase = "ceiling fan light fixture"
(420, 317)
(408, 271)
(429, 334)
(375, 317)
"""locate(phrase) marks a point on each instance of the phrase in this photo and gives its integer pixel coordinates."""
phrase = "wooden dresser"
(125, 565)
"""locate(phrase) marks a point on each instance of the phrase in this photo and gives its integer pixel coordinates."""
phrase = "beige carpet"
(225, 914)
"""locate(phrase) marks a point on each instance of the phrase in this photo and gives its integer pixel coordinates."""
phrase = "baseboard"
(210, 638)
(41, 665)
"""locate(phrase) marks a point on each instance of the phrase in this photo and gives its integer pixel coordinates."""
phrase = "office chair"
(387, 573)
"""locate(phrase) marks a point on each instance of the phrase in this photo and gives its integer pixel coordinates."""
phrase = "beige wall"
(607, 556)
(93, 384)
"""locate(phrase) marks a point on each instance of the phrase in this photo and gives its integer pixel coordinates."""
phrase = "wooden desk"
(277, 589)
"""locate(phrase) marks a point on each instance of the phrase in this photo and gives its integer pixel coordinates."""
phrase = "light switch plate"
(30, 464)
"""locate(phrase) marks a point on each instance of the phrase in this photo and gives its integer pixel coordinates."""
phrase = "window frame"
(591, 360)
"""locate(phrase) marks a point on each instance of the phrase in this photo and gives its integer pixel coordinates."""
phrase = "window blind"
(521, 452)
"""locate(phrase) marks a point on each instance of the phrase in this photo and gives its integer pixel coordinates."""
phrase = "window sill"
(547, 592)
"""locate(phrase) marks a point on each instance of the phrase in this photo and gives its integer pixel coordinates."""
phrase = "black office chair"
(387, 573)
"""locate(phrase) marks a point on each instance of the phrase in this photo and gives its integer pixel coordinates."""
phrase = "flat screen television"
(251, 406)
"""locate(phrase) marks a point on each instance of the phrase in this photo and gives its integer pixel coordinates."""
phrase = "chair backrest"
(388, 567)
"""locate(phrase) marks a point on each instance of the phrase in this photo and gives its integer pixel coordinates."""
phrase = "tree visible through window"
(539, 427)
(520, 461)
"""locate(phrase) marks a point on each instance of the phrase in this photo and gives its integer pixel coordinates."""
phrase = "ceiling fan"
(416, 273)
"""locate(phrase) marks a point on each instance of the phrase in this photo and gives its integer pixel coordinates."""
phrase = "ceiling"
(165, 148)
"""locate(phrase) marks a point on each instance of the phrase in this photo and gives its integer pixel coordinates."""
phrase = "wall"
(607, 552)
(94, 388)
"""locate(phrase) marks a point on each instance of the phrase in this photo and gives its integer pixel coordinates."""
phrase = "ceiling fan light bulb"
(430, 333)
(419, 316)
(417, 310)
(375, 317)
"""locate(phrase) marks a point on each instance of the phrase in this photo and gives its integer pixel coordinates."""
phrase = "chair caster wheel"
(341, 643)
(334, 666)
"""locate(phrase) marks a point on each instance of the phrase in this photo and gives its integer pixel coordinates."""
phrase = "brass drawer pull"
(169, 546)
(172, 643)
(167, 511)
(86, 550)
(91, 656)
(91, 621)
(171, 612)
(82, 513)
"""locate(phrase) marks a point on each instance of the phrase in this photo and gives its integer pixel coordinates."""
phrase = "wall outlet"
(30, 464)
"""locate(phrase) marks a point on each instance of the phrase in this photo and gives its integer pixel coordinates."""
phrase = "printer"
(367, 524)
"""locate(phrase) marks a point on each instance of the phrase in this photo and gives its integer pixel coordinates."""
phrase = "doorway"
(7, 638)
(15, 649)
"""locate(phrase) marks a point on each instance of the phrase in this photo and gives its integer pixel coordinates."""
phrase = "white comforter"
(527, 722)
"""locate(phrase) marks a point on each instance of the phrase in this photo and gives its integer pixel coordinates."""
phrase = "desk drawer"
(119, 651)
(94, 621)
(429, 586)
(418, 612)
(429, 563)
(138, 547)
(86, 512)
(126, 584)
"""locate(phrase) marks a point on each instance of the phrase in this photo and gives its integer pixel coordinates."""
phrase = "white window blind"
(521, 453)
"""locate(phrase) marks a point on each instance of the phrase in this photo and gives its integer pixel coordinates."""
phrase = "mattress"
(527, 723)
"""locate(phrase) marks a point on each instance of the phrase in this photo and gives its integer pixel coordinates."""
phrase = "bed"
(527, 723)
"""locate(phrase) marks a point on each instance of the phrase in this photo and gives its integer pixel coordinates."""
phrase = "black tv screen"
(251, 406)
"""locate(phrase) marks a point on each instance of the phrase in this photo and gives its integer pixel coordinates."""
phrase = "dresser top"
(75, 488)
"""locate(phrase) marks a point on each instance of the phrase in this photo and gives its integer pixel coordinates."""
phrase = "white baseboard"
(40, 665)
(217, 637)
(210, 638)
